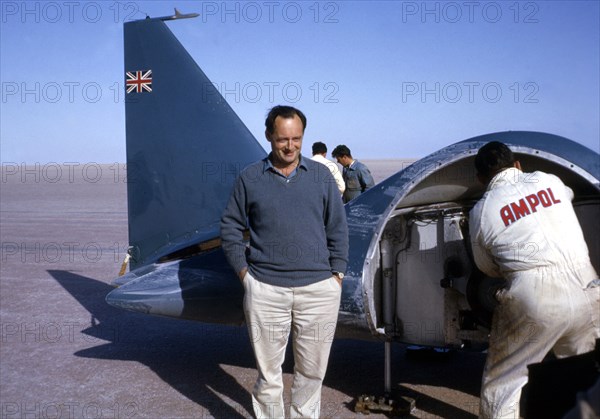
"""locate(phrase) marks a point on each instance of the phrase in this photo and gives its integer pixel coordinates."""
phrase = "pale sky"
(392, 79)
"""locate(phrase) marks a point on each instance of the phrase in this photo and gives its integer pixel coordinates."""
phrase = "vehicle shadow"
(357, 368)
(189, 356)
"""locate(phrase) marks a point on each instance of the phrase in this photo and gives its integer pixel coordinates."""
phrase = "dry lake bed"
(64, 353)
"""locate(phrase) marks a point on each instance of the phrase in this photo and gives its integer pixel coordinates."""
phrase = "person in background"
(357, 176)
(292, 269)
(525, 230)
(319, 151)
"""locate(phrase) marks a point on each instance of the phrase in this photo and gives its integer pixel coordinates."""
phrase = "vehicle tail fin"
(185, 145)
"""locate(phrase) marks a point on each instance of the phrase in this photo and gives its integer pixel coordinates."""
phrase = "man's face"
(343, 160)
(286, 140)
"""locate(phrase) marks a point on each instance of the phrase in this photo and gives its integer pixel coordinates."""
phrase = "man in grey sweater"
(293, 266)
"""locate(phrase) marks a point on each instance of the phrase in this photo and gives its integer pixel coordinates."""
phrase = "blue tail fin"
(185, 145)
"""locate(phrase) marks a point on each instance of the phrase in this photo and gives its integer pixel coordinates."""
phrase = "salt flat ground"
(64, 353)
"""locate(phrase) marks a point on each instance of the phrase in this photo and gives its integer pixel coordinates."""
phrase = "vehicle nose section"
(202, 288)
(155, 291)
(123, 279)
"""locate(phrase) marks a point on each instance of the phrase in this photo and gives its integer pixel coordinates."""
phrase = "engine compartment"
(425, 287)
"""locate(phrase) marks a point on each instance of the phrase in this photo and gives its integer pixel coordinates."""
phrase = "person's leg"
(585, 327)
(314, 319)
(526, 325)
(268, 314)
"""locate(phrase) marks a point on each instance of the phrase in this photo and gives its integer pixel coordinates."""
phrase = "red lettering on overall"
(554, 200)
(544, 198)
(519, 209)
(507, 215)
(533, 202)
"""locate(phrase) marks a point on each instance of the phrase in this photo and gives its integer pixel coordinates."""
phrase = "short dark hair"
(492, 158)
(284, 112)
(319, 148)
(341, 151)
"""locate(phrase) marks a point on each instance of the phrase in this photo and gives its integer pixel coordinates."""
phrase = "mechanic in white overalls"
(525, 230)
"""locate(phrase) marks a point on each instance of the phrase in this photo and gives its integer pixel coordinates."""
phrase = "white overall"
(525, 230)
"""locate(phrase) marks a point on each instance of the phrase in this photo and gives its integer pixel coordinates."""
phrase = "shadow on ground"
(188, 356)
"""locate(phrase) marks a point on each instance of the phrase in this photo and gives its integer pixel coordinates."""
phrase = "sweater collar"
(269, 166)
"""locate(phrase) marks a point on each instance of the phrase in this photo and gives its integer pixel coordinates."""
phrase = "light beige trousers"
(310, 313)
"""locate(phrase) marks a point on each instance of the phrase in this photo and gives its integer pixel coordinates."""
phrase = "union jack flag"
(139, 81)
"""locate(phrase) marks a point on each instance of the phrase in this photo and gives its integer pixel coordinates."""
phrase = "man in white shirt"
(319, 151)
(524, 229)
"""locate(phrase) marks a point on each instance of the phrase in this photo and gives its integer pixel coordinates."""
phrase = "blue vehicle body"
(410, 277)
